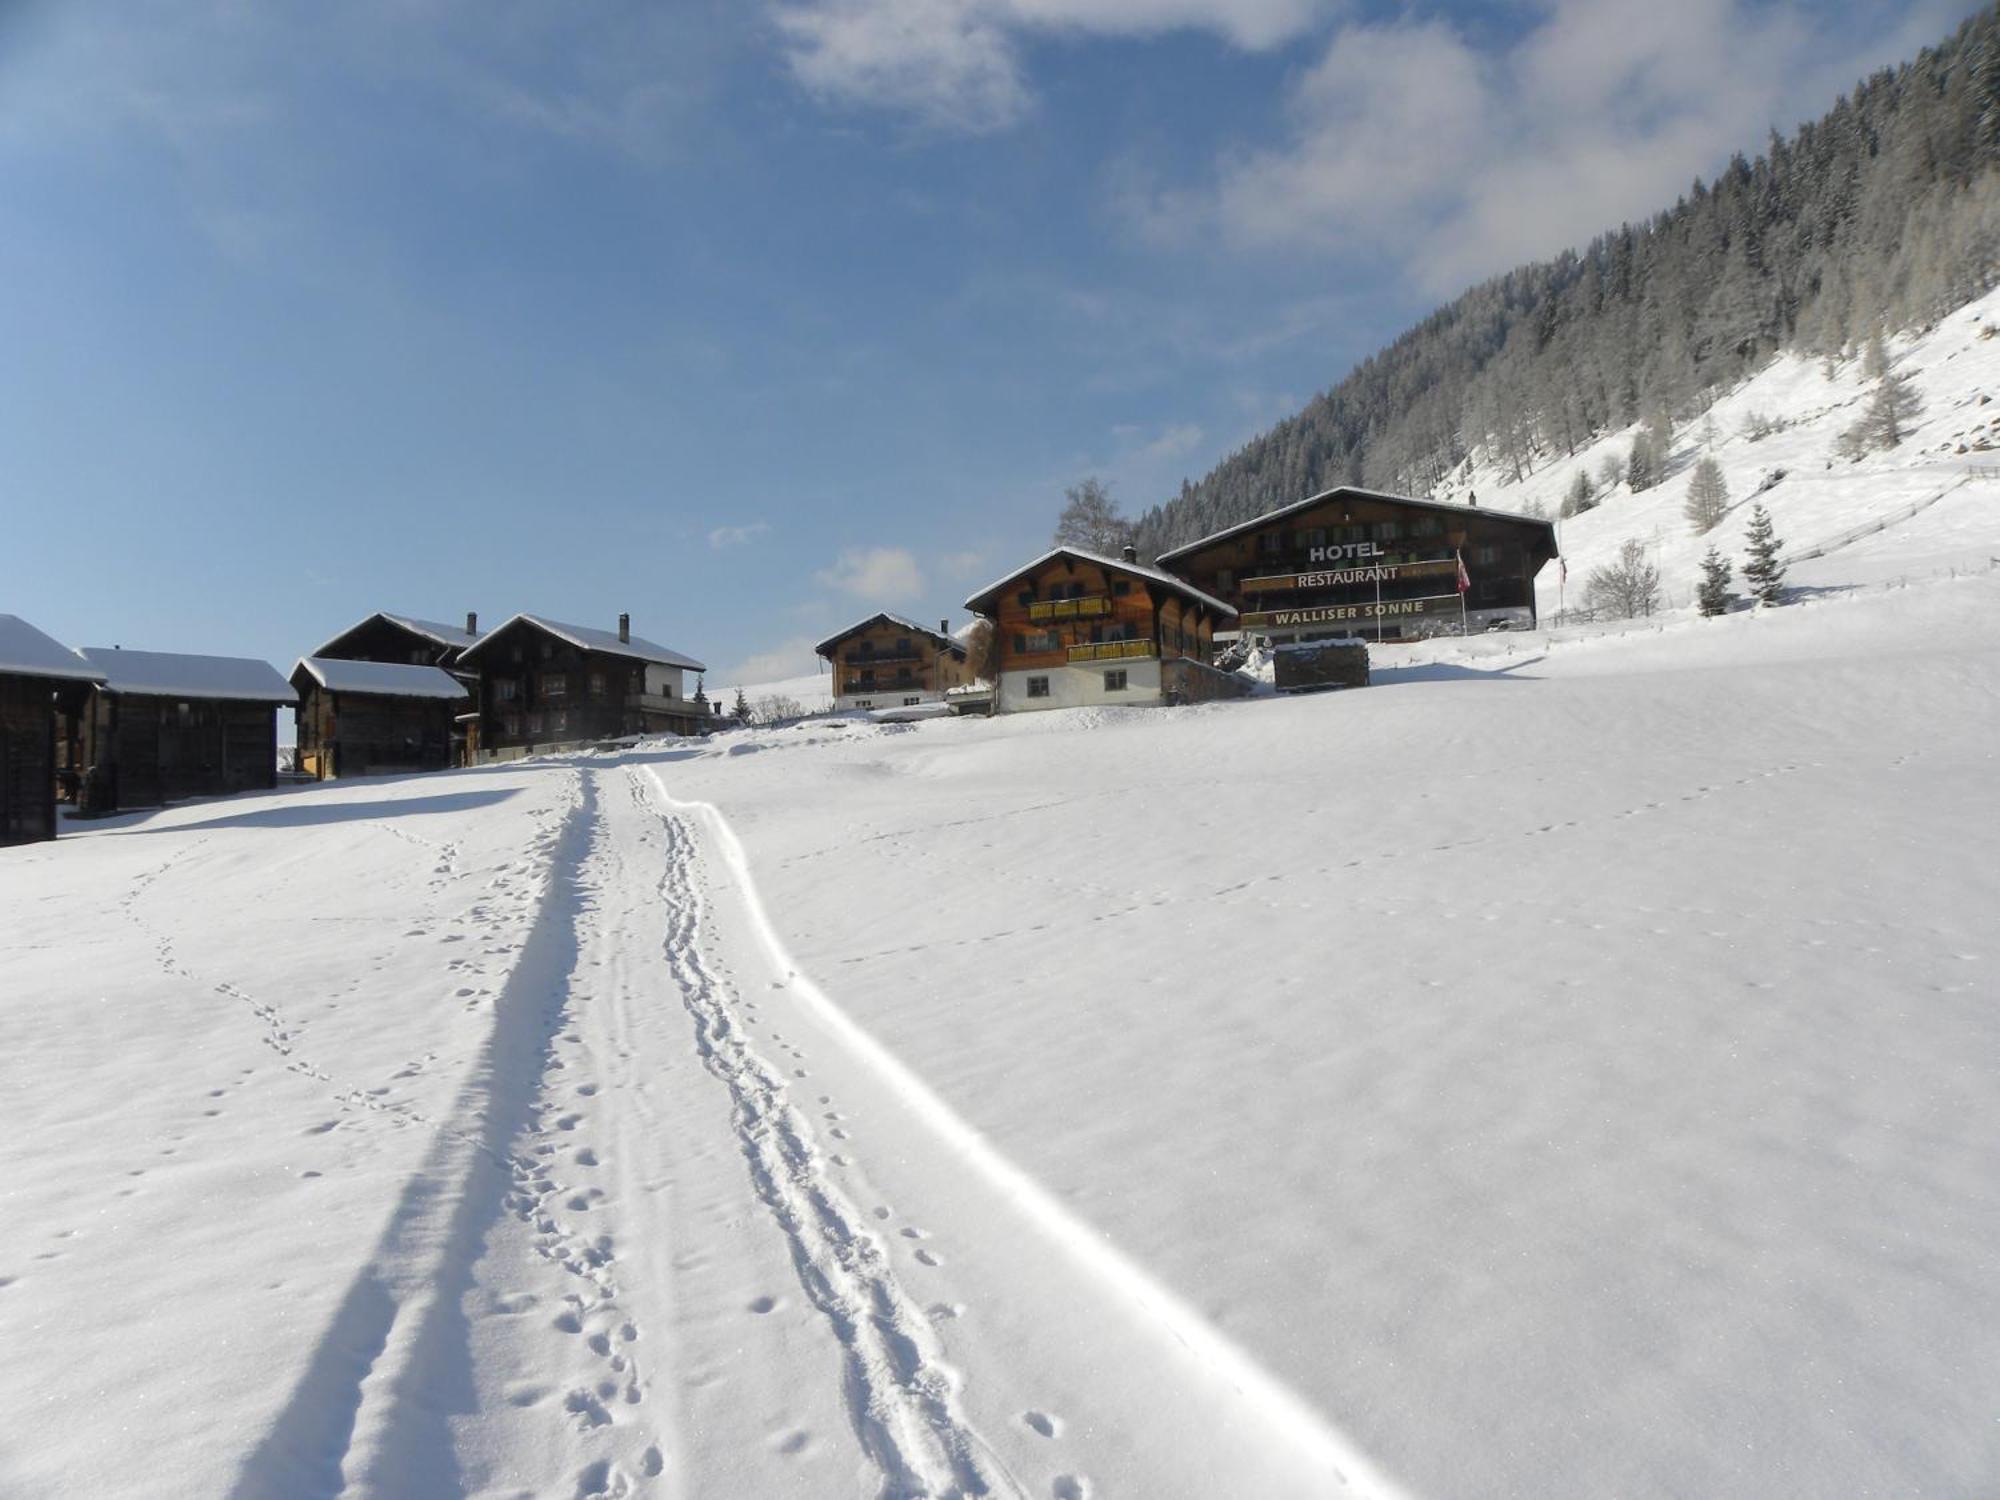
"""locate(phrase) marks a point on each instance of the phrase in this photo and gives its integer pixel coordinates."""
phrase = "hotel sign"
(1382, 573)
(1341, 614)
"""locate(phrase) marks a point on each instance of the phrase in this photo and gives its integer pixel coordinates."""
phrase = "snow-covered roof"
(949, 642)
(456, 636)
(1167, 580)
(584, 638)
(169, 674)
(1474, 512)
(386, 679)
(26, 652)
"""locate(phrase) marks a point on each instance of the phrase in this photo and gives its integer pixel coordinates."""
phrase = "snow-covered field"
(1567, 1068)
(1570, 1067)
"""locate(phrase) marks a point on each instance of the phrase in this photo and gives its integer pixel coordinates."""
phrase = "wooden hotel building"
(1073, 628)
(1354, 562)
(886, 661)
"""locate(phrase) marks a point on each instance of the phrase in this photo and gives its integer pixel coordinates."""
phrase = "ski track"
(901, 1395)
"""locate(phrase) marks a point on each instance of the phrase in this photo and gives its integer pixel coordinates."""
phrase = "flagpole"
(1464, 585)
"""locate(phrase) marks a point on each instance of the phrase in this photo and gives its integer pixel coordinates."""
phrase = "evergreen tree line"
(1886, 212)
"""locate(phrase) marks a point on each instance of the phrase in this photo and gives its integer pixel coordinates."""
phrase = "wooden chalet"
(385, 637)
(40, 678)
(373, 718)
(1354, 562)
(1074, 628)
(403, 638)
(886, 661)
(547, 685)
(162, 726)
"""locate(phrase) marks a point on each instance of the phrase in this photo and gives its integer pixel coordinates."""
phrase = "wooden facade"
(887, 661)
(1074, 628)
(544, 684)
(408, 640)
(40, 681)
(1355, 562)
(365, 718)
(162, 727)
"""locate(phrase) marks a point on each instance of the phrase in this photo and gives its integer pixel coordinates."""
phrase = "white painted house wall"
(1081, 685)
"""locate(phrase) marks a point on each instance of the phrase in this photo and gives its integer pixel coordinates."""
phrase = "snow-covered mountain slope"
(1947, 471)
(1569, 1067)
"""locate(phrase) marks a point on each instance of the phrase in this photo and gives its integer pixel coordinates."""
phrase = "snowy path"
(572, 1185)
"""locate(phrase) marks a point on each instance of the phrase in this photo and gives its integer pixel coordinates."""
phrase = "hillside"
(1883, 213)
(1947, 471)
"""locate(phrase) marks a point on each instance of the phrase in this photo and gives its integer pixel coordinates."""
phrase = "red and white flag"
(1563, 564)
(1464, 583)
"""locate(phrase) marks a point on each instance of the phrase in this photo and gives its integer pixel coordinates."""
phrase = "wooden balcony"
(889, 658)
(1091, 607)
(660, 704)
(1112, 651)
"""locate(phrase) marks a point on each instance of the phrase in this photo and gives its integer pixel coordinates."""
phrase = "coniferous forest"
(1883, 213)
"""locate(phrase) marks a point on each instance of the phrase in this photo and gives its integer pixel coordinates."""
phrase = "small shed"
(372, 718)
(164, 725)
(39, 678)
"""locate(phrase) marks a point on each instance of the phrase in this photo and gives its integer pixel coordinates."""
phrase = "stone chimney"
(471, 623)
(625, 628)
(944, 627)
(1131, 554)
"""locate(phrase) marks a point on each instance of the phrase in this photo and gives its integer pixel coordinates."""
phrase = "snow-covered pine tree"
(740, 709)
(1763, 571)
(1642, 469)
(1713, 596)
(1707, 497)
(1581, 496)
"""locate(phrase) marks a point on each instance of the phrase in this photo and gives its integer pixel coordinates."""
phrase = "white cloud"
(785, 661)
(956, 64)
(875, 575)
(736, 536)
(1403, 139)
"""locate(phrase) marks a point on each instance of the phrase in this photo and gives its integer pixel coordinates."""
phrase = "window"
(555, 685)
(1121, 588)
(534, 724)
(506, 689)
(1027, 597)
(1486, 555)
(1270, 543)
(911, 702)
(1043, 640)
(1114, 682)
(1387, 531)
(1020, 642)
(1038, 687)
(420, 658)
(558, 721)
(597, 685)
(1313, 536)
(548, 650)
(864, 703)
(511, 724)
(902, 643)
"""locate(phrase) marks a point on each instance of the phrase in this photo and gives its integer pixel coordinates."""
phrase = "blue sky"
(751, 318)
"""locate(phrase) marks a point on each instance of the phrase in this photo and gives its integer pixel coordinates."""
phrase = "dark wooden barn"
(1353, 562)
(544, 685)
(163, 726)
(405, 639)
(40, 679)
(370, 718)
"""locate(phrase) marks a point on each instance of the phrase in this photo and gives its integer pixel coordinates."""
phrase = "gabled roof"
(384, 679)
(1472, 512)
(586, 639)
(949, 643)
(455, 636)
(169, 674)
(1167, 581)
(26, 652)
